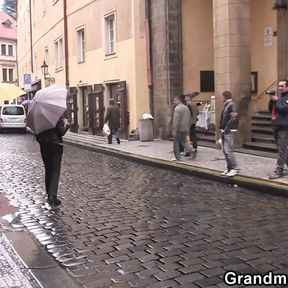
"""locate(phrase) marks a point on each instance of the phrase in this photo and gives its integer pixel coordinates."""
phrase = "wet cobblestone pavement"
(124, 224)
(13, 274)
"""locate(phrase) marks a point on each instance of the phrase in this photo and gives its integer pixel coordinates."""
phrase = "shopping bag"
(106, 130)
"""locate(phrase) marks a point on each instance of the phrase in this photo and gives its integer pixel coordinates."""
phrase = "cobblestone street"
(124, 224)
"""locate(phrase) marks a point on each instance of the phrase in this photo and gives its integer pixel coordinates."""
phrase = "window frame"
(12, 78)
(81, 45)
(59, 55)
(5, 50)
(12, 50)
(107, 33)
(3, 78)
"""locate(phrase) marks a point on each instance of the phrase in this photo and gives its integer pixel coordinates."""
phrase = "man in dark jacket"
(51, 146)
(280, 127)
(228, 128)
(112, 118)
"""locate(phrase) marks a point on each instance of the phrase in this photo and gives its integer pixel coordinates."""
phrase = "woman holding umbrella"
(51, 147)
(45, 119)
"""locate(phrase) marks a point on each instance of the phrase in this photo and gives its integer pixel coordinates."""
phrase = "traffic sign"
(27, 82)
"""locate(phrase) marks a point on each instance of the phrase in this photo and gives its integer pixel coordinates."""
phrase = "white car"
(13, 116)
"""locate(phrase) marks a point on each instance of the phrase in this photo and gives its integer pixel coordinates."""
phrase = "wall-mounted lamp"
(280, 5)
(44, 68)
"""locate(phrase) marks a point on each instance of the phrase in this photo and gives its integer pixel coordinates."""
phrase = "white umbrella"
(46, 108)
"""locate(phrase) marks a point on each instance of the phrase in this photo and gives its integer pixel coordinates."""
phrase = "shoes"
(109, 143)
(175, 159)
(54, 201)
(276, 175)
(187, 154)
(118, 140)
(232, 173)
(224, 173)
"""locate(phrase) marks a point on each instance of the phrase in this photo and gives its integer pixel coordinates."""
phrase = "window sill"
(81, 62)
(111, 56)
(59, 69)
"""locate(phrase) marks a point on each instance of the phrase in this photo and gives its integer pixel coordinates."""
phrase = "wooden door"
(72, 109)
(96, 110)
(119, 94)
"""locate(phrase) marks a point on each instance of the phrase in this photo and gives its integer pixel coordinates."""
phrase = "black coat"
(113, 117)
(281, 109)
(54, 135)
(227, 122)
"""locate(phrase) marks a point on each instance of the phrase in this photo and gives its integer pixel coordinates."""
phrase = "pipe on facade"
(66, 45)
(31, 36)
(149, 55)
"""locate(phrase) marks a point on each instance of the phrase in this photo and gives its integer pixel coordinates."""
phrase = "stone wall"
(166, 61)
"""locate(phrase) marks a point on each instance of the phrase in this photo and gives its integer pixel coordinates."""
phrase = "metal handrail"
(260, 96)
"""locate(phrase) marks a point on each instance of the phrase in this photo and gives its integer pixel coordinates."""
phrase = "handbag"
(106, 130)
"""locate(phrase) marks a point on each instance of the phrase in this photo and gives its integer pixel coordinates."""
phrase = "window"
(81, 45)
(207, 81)
(110, 34)
(4, 74)
(59, 53)
(46, 56)
(10, 50)
(44, 6)
(13, 110)
(3, 49)
(11, 75)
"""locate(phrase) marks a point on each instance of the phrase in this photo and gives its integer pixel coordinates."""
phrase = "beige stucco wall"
(197, 37)
(264, 59)
(128, 64)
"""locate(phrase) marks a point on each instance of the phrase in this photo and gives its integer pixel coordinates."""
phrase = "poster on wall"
(268, 37)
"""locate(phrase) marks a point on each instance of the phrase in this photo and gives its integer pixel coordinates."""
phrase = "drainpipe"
(31, 36)
(66, 45)
(149, 55)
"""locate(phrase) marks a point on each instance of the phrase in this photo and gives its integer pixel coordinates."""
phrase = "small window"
(3, 49)
(110, 34)
(81, 45)
(10, 50)
(46, 56)
(13, 111)
(4, 74)
(43, 6)
(207, 81)
(11, 78)
(59, 53)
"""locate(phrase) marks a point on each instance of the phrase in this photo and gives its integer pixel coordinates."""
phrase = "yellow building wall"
(128, 64)
(264, 59)
(197, 41)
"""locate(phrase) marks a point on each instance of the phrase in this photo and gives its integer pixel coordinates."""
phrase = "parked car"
(13, 116)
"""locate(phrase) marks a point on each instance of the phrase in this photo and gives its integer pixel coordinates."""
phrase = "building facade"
(143, 53)
(8, 44)
(96, 48)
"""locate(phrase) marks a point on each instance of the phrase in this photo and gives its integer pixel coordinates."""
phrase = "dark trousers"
(115, 132)
(193, 136)
(282, 144)
(51, 156)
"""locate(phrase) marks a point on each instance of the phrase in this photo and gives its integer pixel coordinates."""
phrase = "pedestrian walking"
(272, 110)
(180, 127)
(112, 118)
(228, 127)
(51, 147)
(280, 128)
(194, 113)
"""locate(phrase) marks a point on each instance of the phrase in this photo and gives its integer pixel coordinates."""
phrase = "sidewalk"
(208, 162)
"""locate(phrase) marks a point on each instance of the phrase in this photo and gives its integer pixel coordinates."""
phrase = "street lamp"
(44, 68)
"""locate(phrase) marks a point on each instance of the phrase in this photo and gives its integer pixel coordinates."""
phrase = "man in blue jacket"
(280, 127)
(228, 128)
